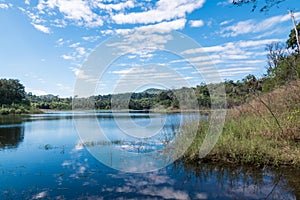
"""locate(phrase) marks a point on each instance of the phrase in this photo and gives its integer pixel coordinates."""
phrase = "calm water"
(42, 157)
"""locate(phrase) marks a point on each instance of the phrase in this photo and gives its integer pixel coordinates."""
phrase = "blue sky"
(44, 43)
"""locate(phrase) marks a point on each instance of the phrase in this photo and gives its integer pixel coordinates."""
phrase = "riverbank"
(16, 110)
(19, 109)
(265, 131)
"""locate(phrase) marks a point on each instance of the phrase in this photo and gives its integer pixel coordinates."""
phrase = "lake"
(43, 157)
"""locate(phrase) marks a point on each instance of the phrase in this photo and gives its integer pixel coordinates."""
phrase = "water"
(42, 157)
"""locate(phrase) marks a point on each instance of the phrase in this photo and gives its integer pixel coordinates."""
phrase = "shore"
(264, 132)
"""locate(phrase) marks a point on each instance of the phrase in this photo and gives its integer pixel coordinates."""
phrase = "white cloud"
(165, 192)
(164, 27)
(164, 11)
(232, 47)
(5, 6)
(238, 58)
(252, 26)
(246, 63)
(224, 3)
(201, 195)
(91, 38)
(66, 57)
(91, 14)
(81, 52)
(241, 69)
(124, 71)
(80, 74)
(196, 23)
(230, 74)
(275, 30)
(74, 45)
(76, 10)
(257, 43)
(225, 22)
(36, 21)
(41, 28)
(142, 41)
(107, 32)
(60, 42)
(35, 18)
(118, 6)
(145, 40)
(226, 72)
(78, 52)
(40, 195)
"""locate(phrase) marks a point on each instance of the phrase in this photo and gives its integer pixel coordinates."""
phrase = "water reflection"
(244, 182)
(11, 119)
(11, 137)
(50, 162)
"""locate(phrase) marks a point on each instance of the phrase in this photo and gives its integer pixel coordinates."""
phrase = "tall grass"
(265, 131)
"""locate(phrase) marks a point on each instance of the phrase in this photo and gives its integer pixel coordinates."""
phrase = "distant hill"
(153, 91)
(49, 96)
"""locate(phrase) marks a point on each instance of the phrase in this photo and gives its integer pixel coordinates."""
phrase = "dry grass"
(265, 131)
(281, 105)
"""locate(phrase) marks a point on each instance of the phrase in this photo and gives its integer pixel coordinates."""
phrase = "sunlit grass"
(252, 135)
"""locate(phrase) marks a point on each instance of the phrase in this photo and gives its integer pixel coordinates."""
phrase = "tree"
(277, 53)
(292, 41)
(11, 91)
(264, 7)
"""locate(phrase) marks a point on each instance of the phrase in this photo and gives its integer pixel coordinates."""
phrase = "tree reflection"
(245, 181)
(11, 137)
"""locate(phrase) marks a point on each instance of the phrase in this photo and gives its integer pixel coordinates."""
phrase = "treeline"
(49, 102)
(185, 98)
(14, 99)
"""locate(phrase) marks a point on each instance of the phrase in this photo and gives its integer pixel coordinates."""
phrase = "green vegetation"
(13, 98)
(265, 130)
(263, 6)
(49, 102)
(292, 41)
(172, 100)
(252, 135)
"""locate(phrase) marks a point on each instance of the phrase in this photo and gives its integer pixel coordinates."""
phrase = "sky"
(111, 46)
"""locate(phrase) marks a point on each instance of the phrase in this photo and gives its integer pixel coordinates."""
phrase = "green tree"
(292, 41)
(11, 92)
(263, 5)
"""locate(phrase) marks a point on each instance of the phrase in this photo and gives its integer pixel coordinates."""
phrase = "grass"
(18, 109)
(265, 131)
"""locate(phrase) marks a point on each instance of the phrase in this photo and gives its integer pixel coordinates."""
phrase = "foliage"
(49, 102)
(11, 92)
(269, 116)
(264, 5)
(287, 69)
(260, 142)
(18, 109)
(292, 41)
